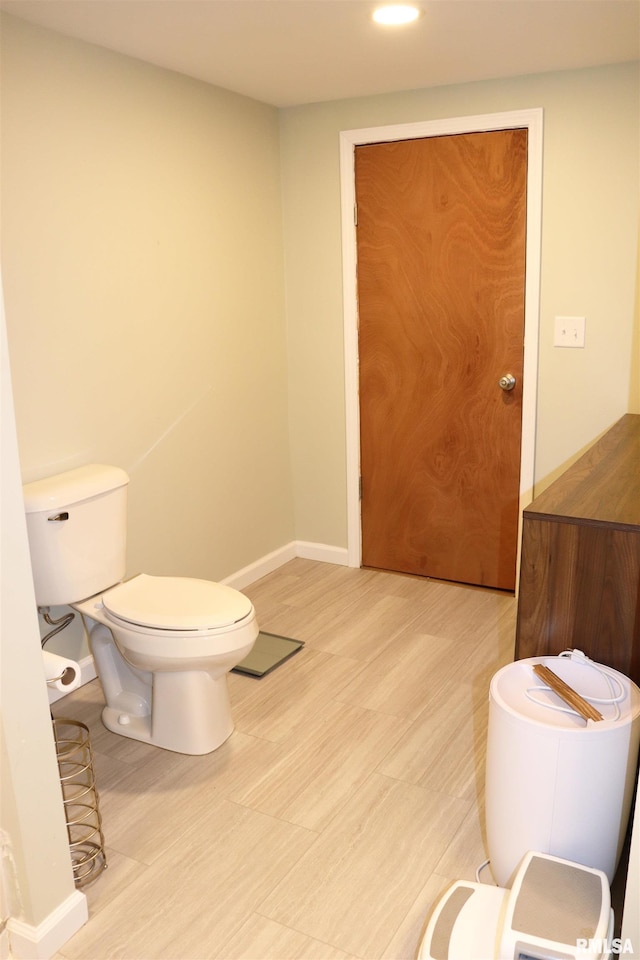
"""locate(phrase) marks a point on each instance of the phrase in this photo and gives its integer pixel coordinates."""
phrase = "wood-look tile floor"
(349, 795)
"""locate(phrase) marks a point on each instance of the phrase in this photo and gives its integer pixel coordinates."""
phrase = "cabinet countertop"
(602, 487)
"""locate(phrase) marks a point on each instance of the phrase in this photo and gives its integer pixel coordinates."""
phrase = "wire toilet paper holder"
(80, 799)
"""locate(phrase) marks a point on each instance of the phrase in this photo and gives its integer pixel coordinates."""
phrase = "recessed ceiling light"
(396, 13)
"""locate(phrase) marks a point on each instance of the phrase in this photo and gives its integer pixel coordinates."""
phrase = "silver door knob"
(507, 382)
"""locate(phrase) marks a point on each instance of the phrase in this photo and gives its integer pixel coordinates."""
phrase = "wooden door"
(441, 280)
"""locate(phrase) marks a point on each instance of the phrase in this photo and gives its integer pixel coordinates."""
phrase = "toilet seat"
(176, 604)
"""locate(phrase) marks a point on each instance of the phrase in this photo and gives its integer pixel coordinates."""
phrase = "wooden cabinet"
(580, 563)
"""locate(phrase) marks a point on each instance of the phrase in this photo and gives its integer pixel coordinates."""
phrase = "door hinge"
(360, 488)
(355, 214)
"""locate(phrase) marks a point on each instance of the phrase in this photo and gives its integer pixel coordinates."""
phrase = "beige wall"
(634, 388)
(142, 251)
(142, 260)
(35, 869)
(589, 256)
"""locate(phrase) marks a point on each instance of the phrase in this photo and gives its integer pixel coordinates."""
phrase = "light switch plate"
(569, 332)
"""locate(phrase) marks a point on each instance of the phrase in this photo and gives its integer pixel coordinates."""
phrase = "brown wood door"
(441, 260)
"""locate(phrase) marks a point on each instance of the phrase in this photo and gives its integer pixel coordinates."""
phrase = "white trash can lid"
(519, 691)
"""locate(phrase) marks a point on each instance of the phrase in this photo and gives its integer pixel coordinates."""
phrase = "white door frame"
(349, 139)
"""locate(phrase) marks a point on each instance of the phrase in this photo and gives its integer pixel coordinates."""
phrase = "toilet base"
(187, 711)
(190, 713)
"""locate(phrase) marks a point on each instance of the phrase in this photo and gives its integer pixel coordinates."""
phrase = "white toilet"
(162, 645)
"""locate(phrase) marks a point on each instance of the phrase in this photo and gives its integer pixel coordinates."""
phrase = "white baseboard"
(322, 551)
(260, 568)
(28, 942)
(296, 548)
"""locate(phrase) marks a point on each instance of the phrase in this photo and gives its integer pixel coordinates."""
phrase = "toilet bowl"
(162, 645)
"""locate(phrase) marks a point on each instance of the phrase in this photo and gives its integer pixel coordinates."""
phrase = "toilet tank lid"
(72, 486)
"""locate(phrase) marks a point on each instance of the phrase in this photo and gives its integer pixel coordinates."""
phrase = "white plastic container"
(556, 783)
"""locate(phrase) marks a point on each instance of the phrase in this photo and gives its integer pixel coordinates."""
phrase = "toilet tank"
(77, 526)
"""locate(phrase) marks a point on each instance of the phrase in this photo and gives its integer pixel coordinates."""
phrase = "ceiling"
(287, 52)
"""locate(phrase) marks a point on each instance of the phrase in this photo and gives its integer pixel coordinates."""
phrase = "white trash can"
(556, 783)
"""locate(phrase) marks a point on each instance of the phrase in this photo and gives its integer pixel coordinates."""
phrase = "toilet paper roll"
(61, 674)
